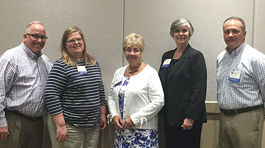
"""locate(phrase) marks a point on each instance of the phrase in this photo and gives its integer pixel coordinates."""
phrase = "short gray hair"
(33, 22)
(180, 23)
(243, 27)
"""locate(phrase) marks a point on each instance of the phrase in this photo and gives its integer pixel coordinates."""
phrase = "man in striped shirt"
(240, 89)
(24, 71)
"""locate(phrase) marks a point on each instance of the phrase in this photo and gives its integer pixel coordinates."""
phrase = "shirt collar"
(29, 52)
(238, 50)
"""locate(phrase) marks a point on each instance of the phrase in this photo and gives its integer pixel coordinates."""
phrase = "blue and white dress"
(133, 138)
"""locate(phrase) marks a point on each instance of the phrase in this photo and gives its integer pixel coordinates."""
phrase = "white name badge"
(234, 76)
(81, 70)
(166, 63)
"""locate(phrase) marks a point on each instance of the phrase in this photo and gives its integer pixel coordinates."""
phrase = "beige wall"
(106, 22)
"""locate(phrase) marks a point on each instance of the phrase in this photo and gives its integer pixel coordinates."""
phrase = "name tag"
(166, 63)
(82, 70)
(234, 76)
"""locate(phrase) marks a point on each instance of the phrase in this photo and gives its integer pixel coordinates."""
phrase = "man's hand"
(4, 133)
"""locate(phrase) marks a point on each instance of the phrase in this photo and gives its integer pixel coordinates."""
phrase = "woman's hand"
(128, 123)
(61, 133)
(103, 120)
(187, 124)
(118, 122)
(61, 128)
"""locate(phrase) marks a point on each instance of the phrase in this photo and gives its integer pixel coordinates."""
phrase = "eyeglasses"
(72, 41)
(36, 36)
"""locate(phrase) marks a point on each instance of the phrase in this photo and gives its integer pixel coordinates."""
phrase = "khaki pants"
(243, 130)
(76, 137)
(24, 133)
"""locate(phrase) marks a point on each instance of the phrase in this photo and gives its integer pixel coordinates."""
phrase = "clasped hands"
(127, 124)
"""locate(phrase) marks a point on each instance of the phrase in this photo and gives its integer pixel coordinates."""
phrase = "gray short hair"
(33, 22)
(243, 27)
(180, 23)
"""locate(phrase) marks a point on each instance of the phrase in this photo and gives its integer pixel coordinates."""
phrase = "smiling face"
(35, 44)
(75, 45)
(234, 36)
(182, 35)
(133, 55)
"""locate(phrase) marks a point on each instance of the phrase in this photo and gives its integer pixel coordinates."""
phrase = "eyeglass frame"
(36, 36)
(72, 41)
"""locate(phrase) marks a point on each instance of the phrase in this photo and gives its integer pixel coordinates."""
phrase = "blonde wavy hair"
(133, 39)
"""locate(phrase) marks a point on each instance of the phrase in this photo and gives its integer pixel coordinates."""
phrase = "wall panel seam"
(253, 23)
(123, 31)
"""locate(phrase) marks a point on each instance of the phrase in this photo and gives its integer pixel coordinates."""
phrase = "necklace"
(132, 72)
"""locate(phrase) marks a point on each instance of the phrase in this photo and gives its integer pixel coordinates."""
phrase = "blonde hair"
(133, 39)
(67, 58)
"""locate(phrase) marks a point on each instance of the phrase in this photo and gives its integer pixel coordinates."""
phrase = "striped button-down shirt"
(250, 90)
(23, 77)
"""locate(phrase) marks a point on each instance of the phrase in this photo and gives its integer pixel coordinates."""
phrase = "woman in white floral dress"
(135, 98)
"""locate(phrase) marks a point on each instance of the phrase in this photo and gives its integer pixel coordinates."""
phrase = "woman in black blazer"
(184, 79)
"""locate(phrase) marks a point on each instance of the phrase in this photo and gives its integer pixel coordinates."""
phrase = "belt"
(241, 110)
(23, 116)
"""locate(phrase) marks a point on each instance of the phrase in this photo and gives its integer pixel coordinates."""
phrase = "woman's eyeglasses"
(72, 41)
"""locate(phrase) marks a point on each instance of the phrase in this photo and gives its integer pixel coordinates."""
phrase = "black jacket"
(184, 87)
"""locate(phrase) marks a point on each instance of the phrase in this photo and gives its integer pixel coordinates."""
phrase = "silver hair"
(180, 23)
(243, 27)
(33, 22)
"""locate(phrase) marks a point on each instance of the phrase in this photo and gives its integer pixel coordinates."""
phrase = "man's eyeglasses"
(74, 40)
(36, 36)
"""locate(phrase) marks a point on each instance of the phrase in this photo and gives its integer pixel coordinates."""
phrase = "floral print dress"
(133, 138)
